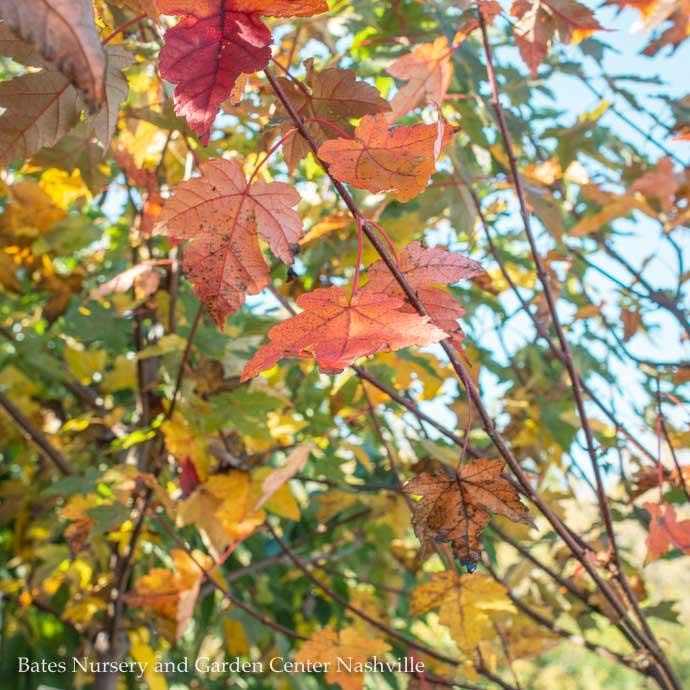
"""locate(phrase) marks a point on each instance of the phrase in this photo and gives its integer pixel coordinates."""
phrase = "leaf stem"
(122, 27)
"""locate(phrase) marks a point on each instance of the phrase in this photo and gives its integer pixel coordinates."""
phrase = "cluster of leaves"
(239, 416)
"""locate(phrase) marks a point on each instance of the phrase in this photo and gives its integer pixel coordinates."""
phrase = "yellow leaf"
(30, 211)
(333, 502)
(183, 442)
(8, 273)
(14, 381)
(283, 503)
(409, 372)
(273, 481)
(466, 604)
(328, 647)
(84, 610)
(587, 311)
(237, 513)
(147, 140)
(236, 642)
(358, 451)
(521, 277)
(390, 509)
(122, 376)
(168, 343)
(283, 426)
(85, 363)
(77, 506)
(224, 508)
(545, 173)
(63, 188)
(368, 602)
(141, 652)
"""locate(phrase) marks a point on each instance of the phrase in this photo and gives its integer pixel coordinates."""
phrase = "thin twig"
(36, 436)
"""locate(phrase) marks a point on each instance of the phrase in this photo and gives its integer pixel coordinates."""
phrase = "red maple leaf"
(222, 216)
(665, 531)
(425, 268)
(337, 330)
(213, 43)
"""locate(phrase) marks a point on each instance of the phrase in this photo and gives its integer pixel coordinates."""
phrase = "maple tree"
(347, 341)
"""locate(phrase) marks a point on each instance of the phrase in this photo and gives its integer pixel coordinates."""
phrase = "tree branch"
(36, 436)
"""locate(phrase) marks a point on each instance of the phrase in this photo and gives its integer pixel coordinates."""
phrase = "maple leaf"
(43, 107)
(428, 71)
(466, 604)
(612, 206)
(660, 183)
(674, 12)
(172, 594)
(65, 33)
(223, 216)
(102, 123)
(423, 266)
(665, 531)
(40, 108)
(213, 43)
(457, 508)
(76, 150)
(144, 278)
(333, 95)
(76, 511)
(275, 479)
(327, 647)
(337, 330)
(224, 507)
(20, 51)
(185, 444)
(540, 21)
(423, 269)
(399, 160)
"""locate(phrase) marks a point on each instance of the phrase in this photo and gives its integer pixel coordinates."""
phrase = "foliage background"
(95, 373)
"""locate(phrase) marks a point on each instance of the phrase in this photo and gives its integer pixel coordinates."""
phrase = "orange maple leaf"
(172, 594)
(399, 160)
(332, 95)
(328, 647)
(223, 216)
(665, 531)
(423, 269)
(428, 71)
(337, 330)
(457, 508)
